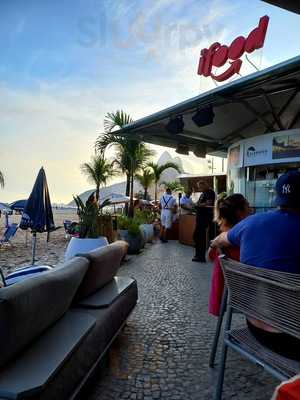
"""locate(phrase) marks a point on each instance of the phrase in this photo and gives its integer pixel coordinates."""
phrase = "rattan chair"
(269, 296)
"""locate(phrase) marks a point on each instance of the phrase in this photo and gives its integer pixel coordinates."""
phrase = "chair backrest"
(10, 232)
(267, 295)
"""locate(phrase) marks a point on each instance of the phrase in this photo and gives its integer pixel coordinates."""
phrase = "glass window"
(260, 184)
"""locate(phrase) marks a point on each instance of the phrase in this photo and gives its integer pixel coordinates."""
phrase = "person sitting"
(168, 207)
(228, 212)
(271, 240)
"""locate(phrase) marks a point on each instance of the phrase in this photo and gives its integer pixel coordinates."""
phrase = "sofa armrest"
(108, 294)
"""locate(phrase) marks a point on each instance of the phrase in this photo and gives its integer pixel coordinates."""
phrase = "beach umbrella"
(4, 207)
(115, 198)
(18, 205)
(37, 215)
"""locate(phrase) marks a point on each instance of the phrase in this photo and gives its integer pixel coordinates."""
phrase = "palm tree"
(158, 170)
(98, 172)
(175, 186)
(146, 178)
(131, 153)
(1, 179)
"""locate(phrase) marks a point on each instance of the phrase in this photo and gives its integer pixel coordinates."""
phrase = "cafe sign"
(217, 55)
(273, 148)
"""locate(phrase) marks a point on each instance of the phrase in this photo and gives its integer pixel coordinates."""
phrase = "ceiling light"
(175, 125)
(204, 116)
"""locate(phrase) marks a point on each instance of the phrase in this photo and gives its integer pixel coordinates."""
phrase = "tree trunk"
(131, 208)
(145, 193)
(127, 192)
(155, 193)
(97, 193)
(127, 185)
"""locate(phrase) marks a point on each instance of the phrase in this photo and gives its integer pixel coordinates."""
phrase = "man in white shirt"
(186, 203)
(168, 207)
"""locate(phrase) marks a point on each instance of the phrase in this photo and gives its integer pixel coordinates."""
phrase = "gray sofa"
(56, 327)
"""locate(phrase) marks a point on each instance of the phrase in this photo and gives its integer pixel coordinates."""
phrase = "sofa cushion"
(29, 307)
(104, 264)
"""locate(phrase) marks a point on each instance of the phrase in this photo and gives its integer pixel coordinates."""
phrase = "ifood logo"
(252, 152)
(217, 54)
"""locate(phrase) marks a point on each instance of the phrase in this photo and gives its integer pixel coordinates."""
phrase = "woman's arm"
(220, 241)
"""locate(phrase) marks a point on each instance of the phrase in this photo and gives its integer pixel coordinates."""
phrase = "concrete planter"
(78, 245)
(135, 242)
(147, 232)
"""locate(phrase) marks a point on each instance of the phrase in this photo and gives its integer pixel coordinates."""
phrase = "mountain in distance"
(119, 188)
(170, 174)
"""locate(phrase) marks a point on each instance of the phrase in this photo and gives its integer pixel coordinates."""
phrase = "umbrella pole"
(33, 247)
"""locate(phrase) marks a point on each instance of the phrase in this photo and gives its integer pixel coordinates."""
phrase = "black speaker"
(182, 149)
(175, 125)
(204, 116)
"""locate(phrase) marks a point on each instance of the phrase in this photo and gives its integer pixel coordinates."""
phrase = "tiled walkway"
(163, 352)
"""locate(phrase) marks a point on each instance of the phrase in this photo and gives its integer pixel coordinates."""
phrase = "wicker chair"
(269, 296)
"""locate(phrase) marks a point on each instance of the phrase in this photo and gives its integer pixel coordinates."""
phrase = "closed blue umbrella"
(37, 215)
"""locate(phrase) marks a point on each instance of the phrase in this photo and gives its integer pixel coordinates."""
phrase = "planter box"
(78, 245)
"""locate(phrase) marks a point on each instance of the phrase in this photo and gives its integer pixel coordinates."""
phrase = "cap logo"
(286, 189)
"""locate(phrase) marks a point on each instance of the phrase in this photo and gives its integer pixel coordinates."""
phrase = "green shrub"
(132, 225)
(145, 216)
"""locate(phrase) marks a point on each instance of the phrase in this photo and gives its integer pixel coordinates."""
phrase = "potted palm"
(89, 237)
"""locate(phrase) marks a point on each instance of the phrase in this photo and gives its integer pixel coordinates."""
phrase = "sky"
(66, 63)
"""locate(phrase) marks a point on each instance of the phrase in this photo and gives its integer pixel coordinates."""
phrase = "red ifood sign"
(217, 54)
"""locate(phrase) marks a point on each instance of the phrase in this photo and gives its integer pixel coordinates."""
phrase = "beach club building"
(254, 121)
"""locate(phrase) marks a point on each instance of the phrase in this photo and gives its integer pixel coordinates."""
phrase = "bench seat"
(59, 359)
(34, 367)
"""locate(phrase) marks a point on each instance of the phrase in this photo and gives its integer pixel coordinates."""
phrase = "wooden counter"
(187, 225)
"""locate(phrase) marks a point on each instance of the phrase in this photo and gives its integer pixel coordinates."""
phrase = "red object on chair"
(289, 390)
(217, 279)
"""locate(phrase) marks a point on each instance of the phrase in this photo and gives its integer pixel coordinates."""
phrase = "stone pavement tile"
(163, 351)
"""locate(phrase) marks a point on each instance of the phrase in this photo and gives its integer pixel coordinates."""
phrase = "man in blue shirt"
(271, 239)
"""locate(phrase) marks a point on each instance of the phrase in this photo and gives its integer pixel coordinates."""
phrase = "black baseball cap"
(288, 190)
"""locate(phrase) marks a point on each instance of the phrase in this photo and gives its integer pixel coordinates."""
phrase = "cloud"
(55, 123)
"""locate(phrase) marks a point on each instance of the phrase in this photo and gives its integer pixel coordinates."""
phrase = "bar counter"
(187, 223)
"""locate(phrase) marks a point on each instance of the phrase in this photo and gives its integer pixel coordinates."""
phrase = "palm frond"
(145, 179)
(98, 171)
(168, 165)
(116, 120)
(159, 169)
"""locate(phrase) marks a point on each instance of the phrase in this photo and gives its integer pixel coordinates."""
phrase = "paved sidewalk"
(163, 351)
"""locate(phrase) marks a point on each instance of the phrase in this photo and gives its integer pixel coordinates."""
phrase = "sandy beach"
(51, 253)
